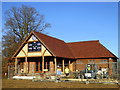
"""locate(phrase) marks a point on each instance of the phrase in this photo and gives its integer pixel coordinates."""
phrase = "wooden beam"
(63, 65)
(55, 64)
(31, 41)
(46, 65)
(26, 65)
(69, 64)
(38, 66)
(43, 60)
(25, 59)
(15, 65)
(42, 63)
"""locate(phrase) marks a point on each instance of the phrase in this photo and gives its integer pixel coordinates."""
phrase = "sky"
(78, 21)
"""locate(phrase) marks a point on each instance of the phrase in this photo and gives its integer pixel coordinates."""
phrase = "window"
(80, 61)
(34, 46)
(103, 60)
(91, 60)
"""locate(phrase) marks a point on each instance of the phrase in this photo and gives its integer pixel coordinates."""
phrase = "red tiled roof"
(86, 49)
(58, 47)
(89, 49)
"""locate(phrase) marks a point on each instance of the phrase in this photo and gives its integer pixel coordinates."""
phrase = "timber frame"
(55, 53)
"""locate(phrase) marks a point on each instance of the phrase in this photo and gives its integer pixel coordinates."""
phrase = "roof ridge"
(84, 41)
(69, 53)
(49, 36)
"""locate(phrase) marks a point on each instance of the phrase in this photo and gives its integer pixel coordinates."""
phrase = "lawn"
(10, 83)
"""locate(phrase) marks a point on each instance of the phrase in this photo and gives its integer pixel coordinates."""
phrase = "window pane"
(34, 46)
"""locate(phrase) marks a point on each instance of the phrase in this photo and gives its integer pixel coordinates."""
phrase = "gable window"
(34, 46)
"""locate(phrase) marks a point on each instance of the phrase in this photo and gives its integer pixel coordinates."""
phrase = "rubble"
(63, 78)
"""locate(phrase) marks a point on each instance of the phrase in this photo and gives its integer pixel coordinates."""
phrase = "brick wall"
(103, 63)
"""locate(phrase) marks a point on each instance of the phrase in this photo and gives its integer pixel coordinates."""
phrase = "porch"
(31, 65)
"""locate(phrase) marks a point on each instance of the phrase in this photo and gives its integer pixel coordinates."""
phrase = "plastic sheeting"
(23, 77)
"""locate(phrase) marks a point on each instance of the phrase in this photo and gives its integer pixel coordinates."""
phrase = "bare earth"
(9, 83)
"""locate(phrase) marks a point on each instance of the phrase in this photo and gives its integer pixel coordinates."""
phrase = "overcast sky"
(78, 21)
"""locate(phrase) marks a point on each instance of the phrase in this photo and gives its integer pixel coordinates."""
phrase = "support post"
(110, 66)
(46, 65)
(8, 71)
(42, 63)
(117, 69)
(15, 65)
(55, 64)
(69, 64)
(26, 65)
(43, 60)
(63, 65)
(38, 66)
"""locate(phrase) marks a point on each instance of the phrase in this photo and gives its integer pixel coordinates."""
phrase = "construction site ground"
(10, 83)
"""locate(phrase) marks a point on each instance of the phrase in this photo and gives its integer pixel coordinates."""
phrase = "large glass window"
(34, 46)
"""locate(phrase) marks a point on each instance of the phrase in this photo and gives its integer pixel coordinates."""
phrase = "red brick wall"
(81, 63)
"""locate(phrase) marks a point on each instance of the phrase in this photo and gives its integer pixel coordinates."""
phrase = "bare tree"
(19, 22)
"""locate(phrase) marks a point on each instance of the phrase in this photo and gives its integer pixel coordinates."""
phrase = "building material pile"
(24, 77)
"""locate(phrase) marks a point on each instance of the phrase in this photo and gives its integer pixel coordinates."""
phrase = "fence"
(118, 70)
(10, 71)
(113, 71)
(111, 68)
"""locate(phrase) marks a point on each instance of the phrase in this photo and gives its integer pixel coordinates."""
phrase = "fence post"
(117, 69)
(8, 72)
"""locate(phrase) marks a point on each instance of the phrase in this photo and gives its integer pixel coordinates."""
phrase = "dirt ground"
(10, 83)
